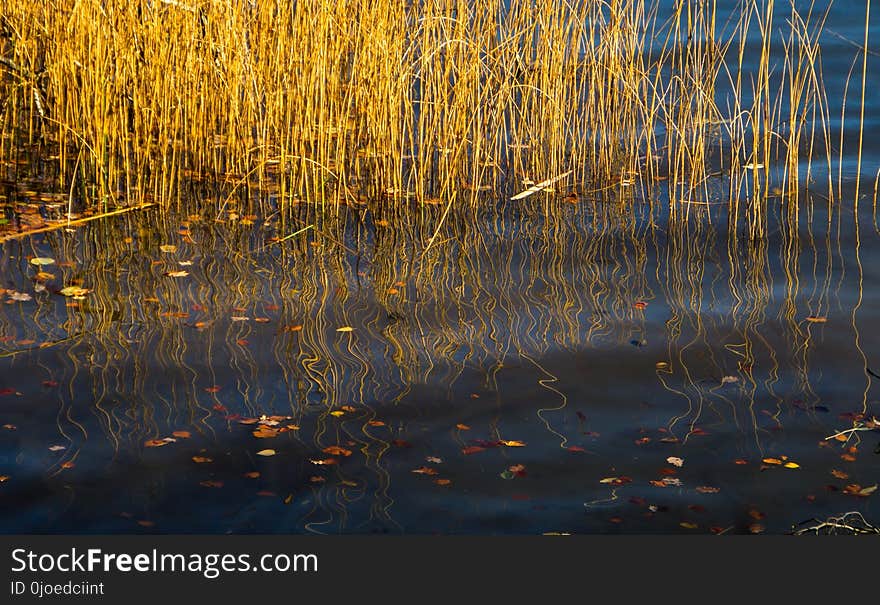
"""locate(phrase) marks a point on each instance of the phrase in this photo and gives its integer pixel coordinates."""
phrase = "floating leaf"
(705, 489)
(202, 459)
(791, 465)
(41, 261)
(688, 525)
(337, 413)
(325, 461)
(155, 443)
(56, 448)
(74, 291)
(168, 248)
(839, 474)
(4, 478)
(513, 443)
(472, 449)
(675, 461)
(345, 329)
(462, 427)
(375, 423)
(252, 475)
(209, 483)
(775, 461)
(729, 379)
(424, 470)
(180, 273)
(266, 453)
(816, 320)
(575, 448)
(335, 450)
(616, 480)
(182, 434)
(442, 481)
(434, 460)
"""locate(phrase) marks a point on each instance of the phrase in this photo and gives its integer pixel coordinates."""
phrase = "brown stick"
(79, 221)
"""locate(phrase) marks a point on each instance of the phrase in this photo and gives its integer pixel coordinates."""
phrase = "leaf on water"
(325, 461)
(688, 525)
(209, 483)
(791, 465)
(705, 489)
(674, 461)
(185, 263)
(348, 408)
(265, 432)
(252, 475)
(661, 365)
(443, 481)
(168, 248)
(756, 528)
(434, 460)
(176, 273)
(56, 448)
(43, 276)
(839, 474)
(239, 318)
(155, 443)
(317, 479)
(41, 261)
(575, 448)
(375, 423)
(848, 457)
(740, 462)
(266, 453)
(462, 427)
(774, 461)
(74, 291)
(202, 459)
(729, 379)
(640, 305)
(4, 478)
(513, 443)
(212, 389)
(424, 470)
(337, 413)
(345, 329)
(472, 449)
(182, 434)
(68, 465)
(813, 319)
(335, 450)
(616, 480)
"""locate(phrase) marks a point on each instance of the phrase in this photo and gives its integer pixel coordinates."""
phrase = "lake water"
(598, 368)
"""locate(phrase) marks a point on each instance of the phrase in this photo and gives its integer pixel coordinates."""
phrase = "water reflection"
(603, 335)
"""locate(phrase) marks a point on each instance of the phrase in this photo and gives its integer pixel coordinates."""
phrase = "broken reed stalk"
(72, 223)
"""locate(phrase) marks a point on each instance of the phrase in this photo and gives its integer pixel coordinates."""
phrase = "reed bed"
(404, 104)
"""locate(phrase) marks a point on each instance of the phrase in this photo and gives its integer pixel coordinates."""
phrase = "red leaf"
(472, 449)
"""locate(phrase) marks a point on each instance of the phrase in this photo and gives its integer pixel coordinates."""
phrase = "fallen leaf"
(176, 273)
(839, 474)
(705, 489)
(182, 434)
(335, 450)
(462, 427)
(791, 465)
(775, 461)
(252, 475)
(434, 460)
(41, 261)
(442, 481)
(68, 465)
(209, 483)
(4, 478)
(345, 329)
(729, 379)
(616, 480)
(472, 449)
(212, 389)
(168, 248)
(425, 470)
(675, 461)
(575, 448)
(375, 423)
(155, 443)
(513, 443)
(56, 448)
(325, 461)
(688, 525)
(756, 528)
(337, 413)
(813, 319)
(266, 453)
(201, 459)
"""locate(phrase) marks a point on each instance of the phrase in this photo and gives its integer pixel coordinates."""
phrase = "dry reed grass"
(352, 102)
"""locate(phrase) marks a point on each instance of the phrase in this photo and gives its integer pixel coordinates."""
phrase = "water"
(535, 372)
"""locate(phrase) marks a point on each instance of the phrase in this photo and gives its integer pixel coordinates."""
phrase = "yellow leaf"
(41, 261)
(792, 465)
(345, 329)
(772, 461)
(688, 525)
(337, 413)
(266, 453)
(513, 443)
(816, 320)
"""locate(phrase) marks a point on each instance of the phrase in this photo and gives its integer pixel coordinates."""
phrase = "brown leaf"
(335, 450)
(252, 475)
(202, 459)
(182, 434)
(155, 443)
(472, 449)
(425, 470)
